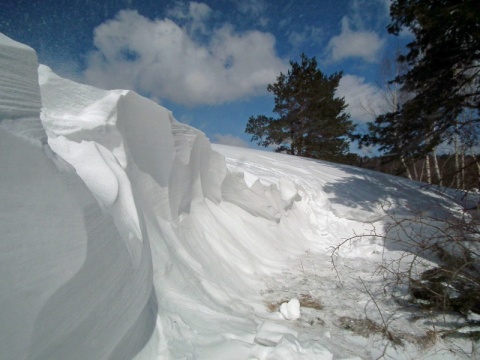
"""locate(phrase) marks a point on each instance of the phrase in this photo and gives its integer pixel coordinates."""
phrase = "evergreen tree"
(311, 120)
(443, 76)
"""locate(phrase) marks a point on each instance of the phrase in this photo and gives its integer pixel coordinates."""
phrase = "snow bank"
(125, 235)
(70, 289)
(122, 200)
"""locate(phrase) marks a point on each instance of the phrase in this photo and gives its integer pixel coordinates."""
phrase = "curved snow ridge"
(120, 143)
(93, 164)
(71, 288)
(85, 136)
(267, 201)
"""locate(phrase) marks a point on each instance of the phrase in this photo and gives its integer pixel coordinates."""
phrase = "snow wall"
(123, 234)
(114, 244)
(74, 284)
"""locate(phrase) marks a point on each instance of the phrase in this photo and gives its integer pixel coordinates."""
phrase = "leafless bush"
(436, 268)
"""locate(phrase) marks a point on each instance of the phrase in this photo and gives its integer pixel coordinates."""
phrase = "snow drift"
(63, 263)
(124, 235)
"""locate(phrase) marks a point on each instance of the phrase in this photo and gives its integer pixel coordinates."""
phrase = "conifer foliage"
(311, 121)
(443, 77)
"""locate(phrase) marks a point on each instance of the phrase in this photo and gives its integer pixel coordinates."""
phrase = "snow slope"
(124, 235)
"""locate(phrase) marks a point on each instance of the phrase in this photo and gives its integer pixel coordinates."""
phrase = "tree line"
(429, 128)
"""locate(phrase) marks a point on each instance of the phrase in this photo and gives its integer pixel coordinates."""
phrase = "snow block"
(259, 200)
(270, 333)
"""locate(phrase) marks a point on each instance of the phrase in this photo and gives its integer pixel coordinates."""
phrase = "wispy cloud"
(255, 10)
(365, 14)
(228, 139)
(309, 34)
(349, 43)
(365, 100)
(251, 7)
(164, 60)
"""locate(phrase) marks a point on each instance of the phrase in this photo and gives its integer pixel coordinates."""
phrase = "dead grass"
(367, 327)
(427, 340)
(274, 306)
(362, 327)
(310, 302)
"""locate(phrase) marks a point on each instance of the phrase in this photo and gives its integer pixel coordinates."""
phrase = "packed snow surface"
(125, 235)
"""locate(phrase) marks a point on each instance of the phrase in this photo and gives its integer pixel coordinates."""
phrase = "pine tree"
(311, 121)
(443, 76)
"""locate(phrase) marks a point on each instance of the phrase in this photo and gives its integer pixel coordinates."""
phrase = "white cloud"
(296, 38)
(362, 44)
(199, 11)
(310, 34)
(194, 14)
(193, 10)
(161, 59)
(229, 139)
(365, 100)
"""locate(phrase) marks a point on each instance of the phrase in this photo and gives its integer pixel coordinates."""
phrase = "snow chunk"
(287, 189)
(290, 310)
(259, 200)
(270, 333)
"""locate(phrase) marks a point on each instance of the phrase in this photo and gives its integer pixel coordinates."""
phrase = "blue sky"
(208, 61)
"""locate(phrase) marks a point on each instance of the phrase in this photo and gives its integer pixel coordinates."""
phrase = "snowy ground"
(124, 235)
(338, 202)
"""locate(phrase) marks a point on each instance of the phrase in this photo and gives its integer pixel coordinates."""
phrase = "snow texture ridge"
(19, 95)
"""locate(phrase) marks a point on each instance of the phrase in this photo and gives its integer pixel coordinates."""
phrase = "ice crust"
(124, 235)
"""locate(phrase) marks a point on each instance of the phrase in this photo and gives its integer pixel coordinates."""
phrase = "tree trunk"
(415, 173)
(422, 170)
(457, 163)
(436, 167)
(427, 168)
(404, 164)
(478, 170)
